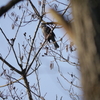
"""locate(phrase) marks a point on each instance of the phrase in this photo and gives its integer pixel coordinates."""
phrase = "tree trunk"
(86, 28)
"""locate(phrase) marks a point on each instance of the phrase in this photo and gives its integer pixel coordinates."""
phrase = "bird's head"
(43, 25)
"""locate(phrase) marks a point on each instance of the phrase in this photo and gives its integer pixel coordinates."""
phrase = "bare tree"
(27, 54)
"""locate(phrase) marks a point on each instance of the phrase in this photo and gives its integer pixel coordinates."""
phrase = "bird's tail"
(56, 45)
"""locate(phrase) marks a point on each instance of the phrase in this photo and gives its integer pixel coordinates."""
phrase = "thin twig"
(38, 83)
(35, 56)
(72, 63)
(70, 82)
(31, 49)
(11, 44)
(19, 24)
(43, 7)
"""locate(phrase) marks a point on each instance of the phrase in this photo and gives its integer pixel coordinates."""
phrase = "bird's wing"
(48, 31)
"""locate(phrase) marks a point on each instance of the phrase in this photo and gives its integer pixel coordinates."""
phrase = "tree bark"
(86, 29)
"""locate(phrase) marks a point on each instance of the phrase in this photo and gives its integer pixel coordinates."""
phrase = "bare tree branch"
(35, 10)
(10, 4)
(31, 49)
(28, 87)
(9, 65)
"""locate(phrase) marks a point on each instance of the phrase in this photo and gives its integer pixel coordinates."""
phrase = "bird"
(49, 34)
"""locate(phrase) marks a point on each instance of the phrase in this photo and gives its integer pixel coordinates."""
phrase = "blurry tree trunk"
(86, 28)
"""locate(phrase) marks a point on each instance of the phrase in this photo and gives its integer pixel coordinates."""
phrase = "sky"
(49, 84)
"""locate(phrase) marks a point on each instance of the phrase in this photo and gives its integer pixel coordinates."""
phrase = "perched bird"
(49, 34)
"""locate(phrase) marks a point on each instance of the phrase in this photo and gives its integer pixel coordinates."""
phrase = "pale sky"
(48, 78)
